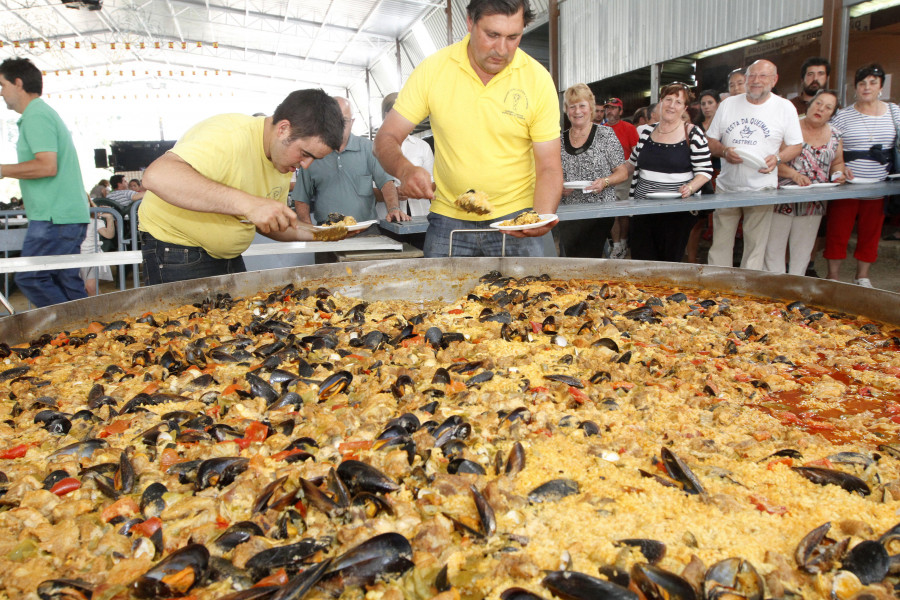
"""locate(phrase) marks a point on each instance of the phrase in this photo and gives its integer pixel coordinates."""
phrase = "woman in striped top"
(870, 132)
(673, 157)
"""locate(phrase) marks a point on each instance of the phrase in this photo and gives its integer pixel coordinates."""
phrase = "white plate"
(577, 185)
(662, 195)
(753, 160)
(794, 186)
(894, 176)
(358, 227)
(864, 180)
(544, 220)
(824, 184)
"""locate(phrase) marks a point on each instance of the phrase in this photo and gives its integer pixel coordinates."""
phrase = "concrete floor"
(885, 272)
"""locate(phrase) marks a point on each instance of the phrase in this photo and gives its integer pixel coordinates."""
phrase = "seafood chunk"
(474, 202)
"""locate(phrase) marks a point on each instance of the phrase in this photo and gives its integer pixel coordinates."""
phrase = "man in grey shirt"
(342, 181)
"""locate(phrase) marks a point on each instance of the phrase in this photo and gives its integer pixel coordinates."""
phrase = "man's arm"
(415, 182)
(302, 209)
(548, 185)
(392, 202)
(174, 180)
(42, 165)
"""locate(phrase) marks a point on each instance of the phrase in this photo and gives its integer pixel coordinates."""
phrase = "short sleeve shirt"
(484, 134)
(60, 199)
(342, 182)
(758, 128)
(227, 149)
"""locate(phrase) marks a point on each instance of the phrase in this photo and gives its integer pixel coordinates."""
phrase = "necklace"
(667, 132)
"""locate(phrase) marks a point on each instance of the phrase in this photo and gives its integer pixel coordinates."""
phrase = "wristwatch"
(605, 182)
(777, 159)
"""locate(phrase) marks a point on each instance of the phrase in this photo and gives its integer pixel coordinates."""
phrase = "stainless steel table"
(574, 212)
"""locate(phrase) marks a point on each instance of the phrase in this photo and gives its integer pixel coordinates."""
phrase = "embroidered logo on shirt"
(515, 103)
(275, 193)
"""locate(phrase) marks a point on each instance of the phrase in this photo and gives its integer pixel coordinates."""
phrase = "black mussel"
(186, 471)
(572, 585)
(266, 592)
(733, 578)
(289, 555)
(101, 400)
(817, 553)
(381, 556)
(643, 314)
(451, 337)
(402, 386)
(273, 362)
(407, 421)
(287, 400)
(553, 490)
(374, 340)
(517, 593)
(576, 310)
(851, 458)
(607, 343)
(485, 513)
(200, 382)
(262, 500)
(466, 367)
(462, 465)
(615, 575)
(334, 384)
(191, 436)
(457, 432)
(152, 502)
(653, 550)
(80, 449)
(298, 585)
(307, 444)
(566, 379)
(174, 575)
(222, 432)
(280, 376)
(319, 499)
(223, 356)
(260, 387)
(432, 406)
(361, 477)
(869, 561)
(480, 378)
(220, 471)
(371, 504)
(434, 336)
(289, 525)
(336, 487)
(171, 362)
(549, 326)
(14, 372)
(392, 432)
(789, 452)
(125, 476)
(516, 460)
(501, 317)
(65, 589)
(680, 472)
(53, 478)
(600, 377)
(590, 428)
(822, 476)
(267, 350)
(625, 358)
(441, 375)
(520, 413)
(453, 449)
(236, 534)
(654, 582)
(198, 421)
(677, 297)
(406, 332)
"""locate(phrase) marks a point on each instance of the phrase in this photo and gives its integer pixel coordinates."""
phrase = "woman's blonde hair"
(578, 93)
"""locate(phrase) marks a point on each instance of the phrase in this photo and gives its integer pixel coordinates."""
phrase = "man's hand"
(731, 156)
(395, 214)
(771, 164)
(536, 232)
(801, 179)
(416, 183)
(271, 216)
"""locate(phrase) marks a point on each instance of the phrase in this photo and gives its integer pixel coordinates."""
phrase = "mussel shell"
(680, 472)
(334, 384)
(485, 513)
(385, 554)
(735, 576)
(220, 471)
(152, 502)
(65, 589)
(817, 553)
(653, 550)
(516, 460)
(297, 587)
(517, 593)
(462, 465)
(553, 490)
(654, 582)
(288, 555)
(236, 534)
(822, 476)
(566, 379)
(869, 561)
(151, 584)
(361, 477)
(572, 585)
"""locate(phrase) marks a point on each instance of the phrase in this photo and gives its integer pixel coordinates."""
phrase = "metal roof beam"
(358, 31)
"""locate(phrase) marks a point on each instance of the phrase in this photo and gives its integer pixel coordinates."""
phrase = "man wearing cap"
(628, 137)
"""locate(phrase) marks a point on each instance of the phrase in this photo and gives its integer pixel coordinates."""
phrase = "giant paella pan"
(503, 428)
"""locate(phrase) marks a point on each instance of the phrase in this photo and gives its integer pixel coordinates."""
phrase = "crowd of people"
(494, 114)
(748, 138)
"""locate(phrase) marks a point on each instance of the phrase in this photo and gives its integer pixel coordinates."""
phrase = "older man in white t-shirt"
(418, 152)
(764, 128)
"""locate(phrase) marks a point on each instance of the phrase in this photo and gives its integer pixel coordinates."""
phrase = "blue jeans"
(165, 262)
(43, 288)
(437, 239)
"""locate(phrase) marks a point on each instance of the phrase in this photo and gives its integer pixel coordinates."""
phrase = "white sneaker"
(863, 282)
(619, 250)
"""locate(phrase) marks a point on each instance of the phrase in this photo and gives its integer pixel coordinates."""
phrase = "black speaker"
(136, 156)
(100, 160)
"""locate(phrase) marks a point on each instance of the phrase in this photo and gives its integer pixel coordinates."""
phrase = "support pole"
(449, 22)
(399, 67)
(655, 70)
(369, 103)
(554, 41)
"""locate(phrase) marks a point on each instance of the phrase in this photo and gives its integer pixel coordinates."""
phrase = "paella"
(536, 438)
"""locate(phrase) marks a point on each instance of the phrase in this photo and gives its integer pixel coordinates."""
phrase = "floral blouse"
(815, 163)
(598, 157)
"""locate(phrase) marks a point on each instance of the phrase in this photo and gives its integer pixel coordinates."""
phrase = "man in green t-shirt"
(52, 188)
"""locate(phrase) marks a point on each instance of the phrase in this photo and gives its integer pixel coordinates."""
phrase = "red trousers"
(868, 215)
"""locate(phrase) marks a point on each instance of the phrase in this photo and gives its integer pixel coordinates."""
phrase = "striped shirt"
(666, 167)
(861, 132)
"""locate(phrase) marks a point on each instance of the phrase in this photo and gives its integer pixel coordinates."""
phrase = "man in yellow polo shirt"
(495, 115)
(227, 178)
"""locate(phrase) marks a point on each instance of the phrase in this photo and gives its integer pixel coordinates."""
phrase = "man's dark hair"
(137, 181)
(24, 69)
(815, 61)
(312, 113)
(479, 8)
(115, 180)
(873, 69)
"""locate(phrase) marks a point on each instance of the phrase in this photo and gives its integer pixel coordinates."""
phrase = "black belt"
(877, 153)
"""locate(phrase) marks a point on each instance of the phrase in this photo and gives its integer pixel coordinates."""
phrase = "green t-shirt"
(60, 199)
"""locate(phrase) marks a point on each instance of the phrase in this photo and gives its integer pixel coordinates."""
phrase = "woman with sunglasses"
(870, 133)
(671, 157)
(821, 160)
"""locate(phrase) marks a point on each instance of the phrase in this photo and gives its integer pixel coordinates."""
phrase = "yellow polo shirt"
(483, 134)
(227, 149)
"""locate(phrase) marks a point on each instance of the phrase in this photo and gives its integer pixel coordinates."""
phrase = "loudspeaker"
(137, 156)
(100, 160)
